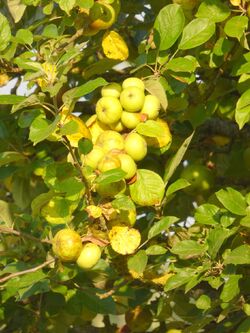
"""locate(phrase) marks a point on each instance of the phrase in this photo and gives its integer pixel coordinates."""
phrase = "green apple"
(118, 127)
(67, 245)
(94, 157)
(131, 119)
(112, 89)
(135, 146)
(133, 82)
(109, 140)
(89, 256)
(108, 110)
(151, 106)
(200, 178)
(96, 127)
(109, 162)
(132, 99)
(127, 165)
(111, 190)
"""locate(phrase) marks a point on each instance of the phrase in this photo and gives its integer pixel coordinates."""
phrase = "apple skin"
(94, 157)
(112, 89)
(135, 146)
(108, 110)
(67, 245)
(118, 127)
(109, 140)
(89, 256)
(151, 106)
(131, 119)
(133, 82)
(109, 162)
(200, 178)
(95, 127)
(132, 99)
(127, 165)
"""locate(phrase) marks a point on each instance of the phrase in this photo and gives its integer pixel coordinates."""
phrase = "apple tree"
(124, 166)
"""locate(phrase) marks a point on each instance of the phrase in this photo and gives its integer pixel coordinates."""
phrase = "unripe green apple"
(151, 106)
(200, 178)
(94, 157)
(173, 330)
(112, 89)
(95, 127)
(132, 99)
(111, 190)
(108, 110)
(133, 82)
(67, 245)
(109, 162)
(118, 127)
(109, 140)
(131, 119)
(127, 165)
(89, 256)
(135, 146)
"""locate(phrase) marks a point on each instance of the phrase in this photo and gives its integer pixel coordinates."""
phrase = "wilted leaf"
(114, 46)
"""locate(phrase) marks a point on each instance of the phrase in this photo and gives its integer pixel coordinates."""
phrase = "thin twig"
(30, 270)
(7, 230)
(97, 241)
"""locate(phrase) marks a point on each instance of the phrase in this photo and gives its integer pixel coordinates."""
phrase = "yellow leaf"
(124, 240)
(114, 47)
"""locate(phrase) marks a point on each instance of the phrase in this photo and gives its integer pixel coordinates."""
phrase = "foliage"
(167, 273)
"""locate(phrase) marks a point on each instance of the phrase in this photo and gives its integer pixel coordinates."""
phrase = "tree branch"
(7, 230)
(30, 270)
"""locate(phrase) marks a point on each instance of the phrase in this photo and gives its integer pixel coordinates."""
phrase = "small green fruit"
(135, 146)
(67, 245)
(132, 99)
(89, 256)
(108, 110)
(127, 165)
(151, 106)
(109, 140)
(111, 90)
(94, 157)
(133, 82)
(200, 178)
(130, 119)
(109, 162)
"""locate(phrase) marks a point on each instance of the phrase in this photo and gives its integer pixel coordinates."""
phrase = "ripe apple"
(95, 127)
(67, 245)
(132, 99)
(108, 110)
(109, 140)
(109, 162)
(133, 82)
(131, 119)
(200, 178)
(118, 127)
(93, 158)
(89, 256)
(151, 106)
(112, 89)
(135, 146)
(111, 190)
(127, 165)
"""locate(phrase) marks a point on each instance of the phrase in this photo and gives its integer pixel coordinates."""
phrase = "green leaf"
(168, 25)
(242, 112)
(216, 238)
(85, 3)
(138, 262)
(24, 36)
(110, 176)
(196, 33)
(155, 250)
(99, 67)
(232, 200)
(40, 129)
(207, 214)
(5, 33)
(244, 326)
(27, 116)
(181, 64)
(5, 213)
(85, 146)
(83, 90)
(238, 256)
(150, 128)
(40, 201)
(161, 225)
(10, 156)
(25, 102)
(214, 10)
(203, 302)
(188, 249)
(245, 221)
(72, 188)
(179, 279)
(50, 31)
(154, 87)
(11, 99)
(230, 288)
(70, 127)
(148, 189)
(17, 9)
(123, 202)
(66, 5)
(179, 184)
(236, 26)
(176, 160)
(37, 288)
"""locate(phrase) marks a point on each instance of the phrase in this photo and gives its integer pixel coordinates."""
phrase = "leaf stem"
(7, 230)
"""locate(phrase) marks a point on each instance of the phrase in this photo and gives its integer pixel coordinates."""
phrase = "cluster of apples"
(118, 112)
(68, 247)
